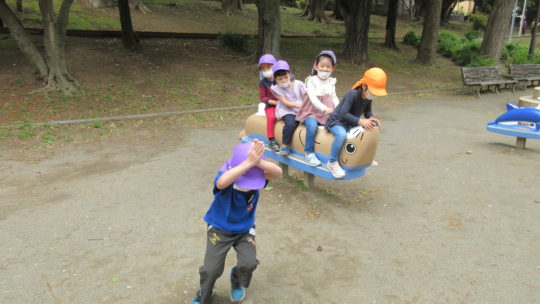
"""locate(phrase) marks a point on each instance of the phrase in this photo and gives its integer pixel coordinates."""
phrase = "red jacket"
(265, 93)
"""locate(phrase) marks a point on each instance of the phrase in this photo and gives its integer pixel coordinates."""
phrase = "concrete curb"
(174, 113)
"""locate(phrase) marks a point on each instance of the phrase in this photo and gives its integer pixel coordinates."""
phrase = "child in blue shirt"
(231, 219)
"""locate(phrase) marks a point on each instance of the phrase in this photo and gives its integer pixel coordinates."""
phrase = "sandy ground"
(120, 220)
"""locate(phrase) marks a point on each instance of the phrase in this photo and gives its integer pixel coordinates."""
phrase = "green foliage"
(472, 34)
(234, 41)
(467, 52)
(301, 4)
(480, 61)
(411, 38)
(479, 21)
(448, 43)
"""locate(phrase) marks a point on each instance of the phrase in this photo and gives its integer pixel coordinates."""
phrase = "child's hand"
(272, 102)
(373, 119)
(366, 124)
(298, 105)
(255, 153)
(328, 111)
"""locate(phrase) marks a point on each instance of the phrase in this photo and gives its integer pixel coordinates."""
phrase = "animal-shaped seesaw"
(520, 122)
(355, 156)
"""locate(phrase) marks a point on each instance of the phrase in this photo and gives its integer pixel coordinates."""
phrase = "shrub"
(467, 52)
(301, 4)
(448, 43)
(411, 39)
(472, 34)
(234, 41)
(479, 61)
(479, 21)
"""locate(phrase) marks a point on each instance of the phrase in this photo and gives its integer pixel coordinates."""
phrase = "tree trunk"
(419, 9)
(268, 38)
(26, 45)
(497, 28)
(19, 6)
(231, 6)
(447, 7)
(534, 30)
(428, 43)
(356, 16)
(336, 13)
(129, 38)
(139, 5)
(391, 20)
(314, 10)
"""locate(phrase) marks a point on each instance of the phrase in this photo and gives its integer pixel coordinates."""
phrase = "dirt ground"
(449, 216)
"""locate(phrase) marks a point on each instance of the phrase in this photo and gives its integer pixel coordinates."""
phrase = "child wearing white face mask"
(348, 113)
(290, 94)
(322, 100)
(266, 62)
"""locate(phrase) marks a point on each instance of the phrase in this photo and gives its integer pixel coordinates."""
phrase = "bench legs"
(520, 142)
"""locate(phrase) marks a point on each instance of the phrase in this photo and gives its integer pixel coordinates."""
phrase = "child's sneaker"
(284, 151)
(197, 299)
(273, 145)
(312, 160)
(336, 170)
(238, 292)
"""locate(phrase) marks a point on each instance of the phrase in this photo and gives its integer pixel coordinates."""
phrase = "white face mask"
(370, 96)
(284, 84)
(324, 75)
(268, 74)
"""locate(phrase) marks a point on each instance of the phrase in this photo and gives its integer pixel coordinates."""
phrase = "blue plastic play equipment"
(296, 160)
(520, 122)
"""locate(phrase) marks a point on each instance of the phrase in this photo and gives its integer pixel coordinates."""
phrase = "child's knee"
(211, 271)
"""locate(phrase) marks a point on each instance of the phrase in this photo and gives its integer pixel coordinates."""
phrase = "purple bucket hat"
(327, 53)
(267, 58)
(254, 178)
(280, 65)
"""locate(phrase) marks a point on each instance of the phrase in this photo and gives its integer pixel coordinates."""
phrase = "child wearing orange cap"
(349, 111)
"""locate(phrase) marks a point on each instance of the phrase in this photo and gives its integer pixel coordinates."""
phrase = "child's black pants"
(218, 244)
(289, 127)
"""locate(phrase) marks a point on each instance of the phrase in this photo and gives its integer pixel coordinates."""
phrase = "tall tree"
(129, 39)
(391, 20)
(231, 6)
(52, 66)
(336, 13)
(428, 43)
(497, 28)
(356, 14)
(19, 6)
(535, 29)
(269, 31)
(314, 10)
(419, 8)
(447, 8)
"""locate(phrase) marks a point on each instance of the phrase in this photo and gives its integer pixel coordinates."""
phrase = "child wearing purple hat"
(290, 93)
(266, 62)
(321, 93)
(231, 220)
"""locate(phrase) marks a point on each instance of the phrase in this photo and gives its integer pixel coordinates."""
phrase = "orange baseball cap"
(375, 79)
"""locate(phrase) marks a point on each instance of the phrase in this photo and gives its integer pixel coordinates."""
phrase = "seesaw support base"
(520, 142)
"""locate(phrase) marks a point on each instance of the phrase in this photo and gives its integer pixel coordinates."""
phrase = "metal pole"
(522, 16)
(514, 10)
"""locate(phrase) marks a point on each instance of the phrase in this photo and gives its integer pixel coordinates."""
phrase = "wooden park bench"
(525, 72)
(486, 76)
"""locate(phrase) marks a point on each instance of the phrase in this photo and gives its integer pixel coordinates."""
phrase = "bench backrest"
(524, 70)
(480, 74)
